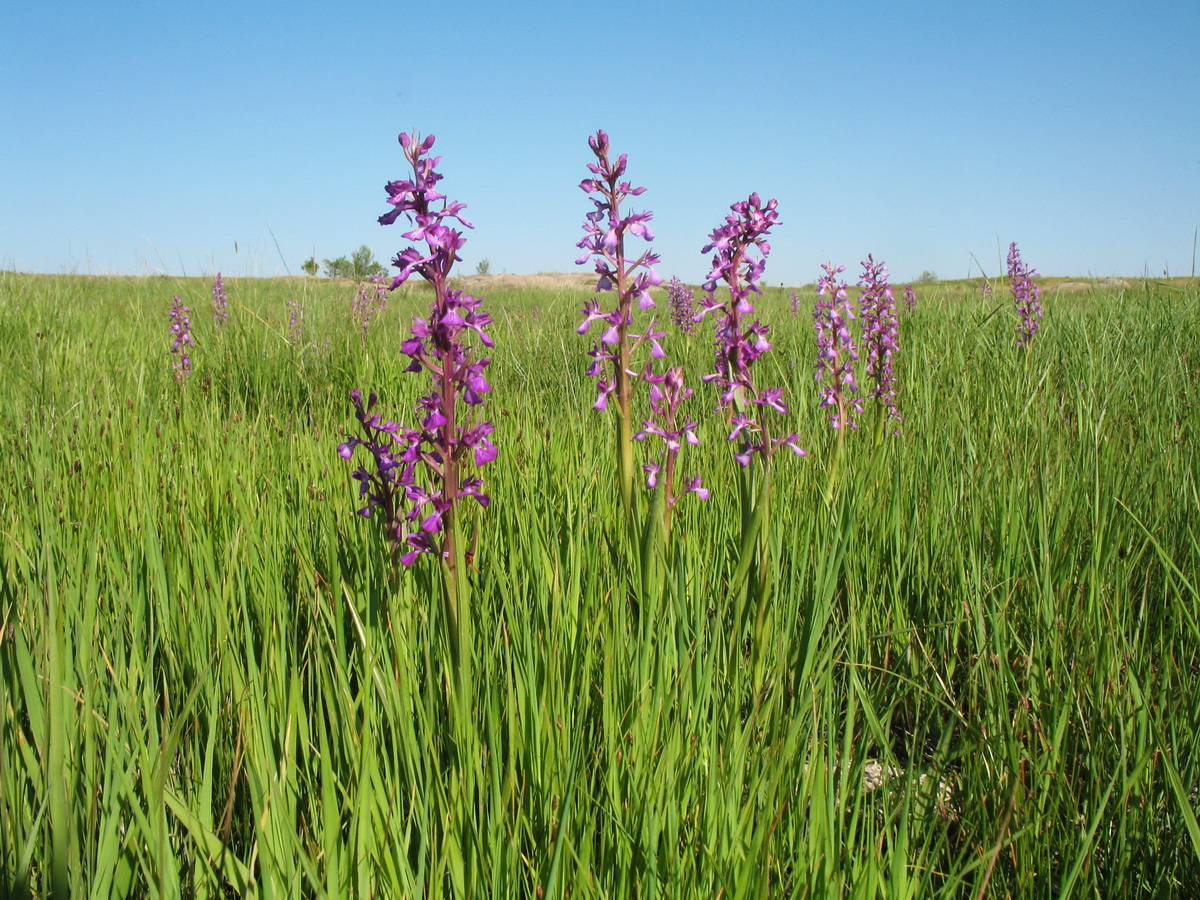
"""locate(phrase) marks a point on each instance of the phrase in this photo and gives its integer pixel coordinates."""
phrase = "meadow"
(979, 679)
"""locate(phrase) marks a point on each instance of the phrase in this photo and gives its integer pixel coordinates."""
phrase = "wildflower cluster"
(836, 353)
(413, 198)
(605, 230)
(1025, 296)
(985, 289)
(910, 298)
(795, 304)
(447, 436)
(625, 342)
(391, 483)
(683, 306)
(295, 322)
(220, 302)
(370, 299)
(740, 251)
(667, 393)
(181, 333)
(880, 333)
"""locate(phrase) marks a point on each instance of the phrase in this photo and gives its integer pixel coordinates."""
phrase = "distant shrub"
(361, 266)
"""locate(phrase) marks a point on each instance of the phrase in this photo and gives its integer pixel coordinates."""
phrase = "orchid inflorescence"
(683, 306)
(295, 322)
(370, 299)
(605, 352)
(836, 352)
(446, 437)
(880, 333)
(910, 298)
(605, 230)
(396, 452)
(740, 256)
(220, 302)
(181, 332)
(667, 393)
(1025, 296)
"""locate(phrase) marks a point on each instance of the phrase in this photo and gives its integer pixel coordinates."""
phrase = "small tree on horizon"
(359, 267)
(310, 266)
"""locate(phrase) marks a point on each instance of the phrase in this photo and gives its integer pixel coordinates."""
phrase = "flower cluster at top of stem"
(910, 298)
(370, 299)
(605, 230)
(1025, 295)
(667, 393)
(447, 436)
(985, 289)
(181, 338)
(220, 302)
(683, 306)
(295, 323)
(836, 352)
(740, 250)
(880, 333)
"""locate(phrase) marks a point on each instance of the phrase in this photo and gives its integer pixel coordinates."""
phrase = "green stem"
(835, 467)
(746, 578)
(652, 539)
(456, 590)
(624, 390)
(456, 596)
(625, 459)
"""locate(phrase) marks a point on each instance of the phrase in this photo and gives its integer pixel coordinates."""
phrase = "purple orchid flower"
(181, 338)
(421, 515)
(880, 333)
(740, 249)
(1025, 296)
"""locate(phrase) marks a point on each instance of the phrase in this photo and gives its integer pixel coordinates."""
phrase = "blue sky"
(193, 137)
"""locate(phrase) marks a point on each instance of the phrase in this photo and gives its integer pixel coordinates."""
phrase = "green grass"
(212, 678)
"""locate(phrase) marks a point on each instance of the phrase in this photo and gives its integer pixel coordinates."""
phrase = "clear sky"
(193, 137)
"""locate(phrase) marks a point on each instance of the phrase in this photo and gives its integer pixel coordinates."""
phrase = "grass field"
(215, 681)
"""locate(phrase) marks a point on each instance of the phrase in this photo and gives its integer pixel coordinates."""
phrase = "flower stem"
(627, 467)
(835, 467)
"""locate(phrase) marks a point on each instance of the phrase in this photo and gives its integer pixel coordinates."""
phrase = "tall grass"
(214, 680)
